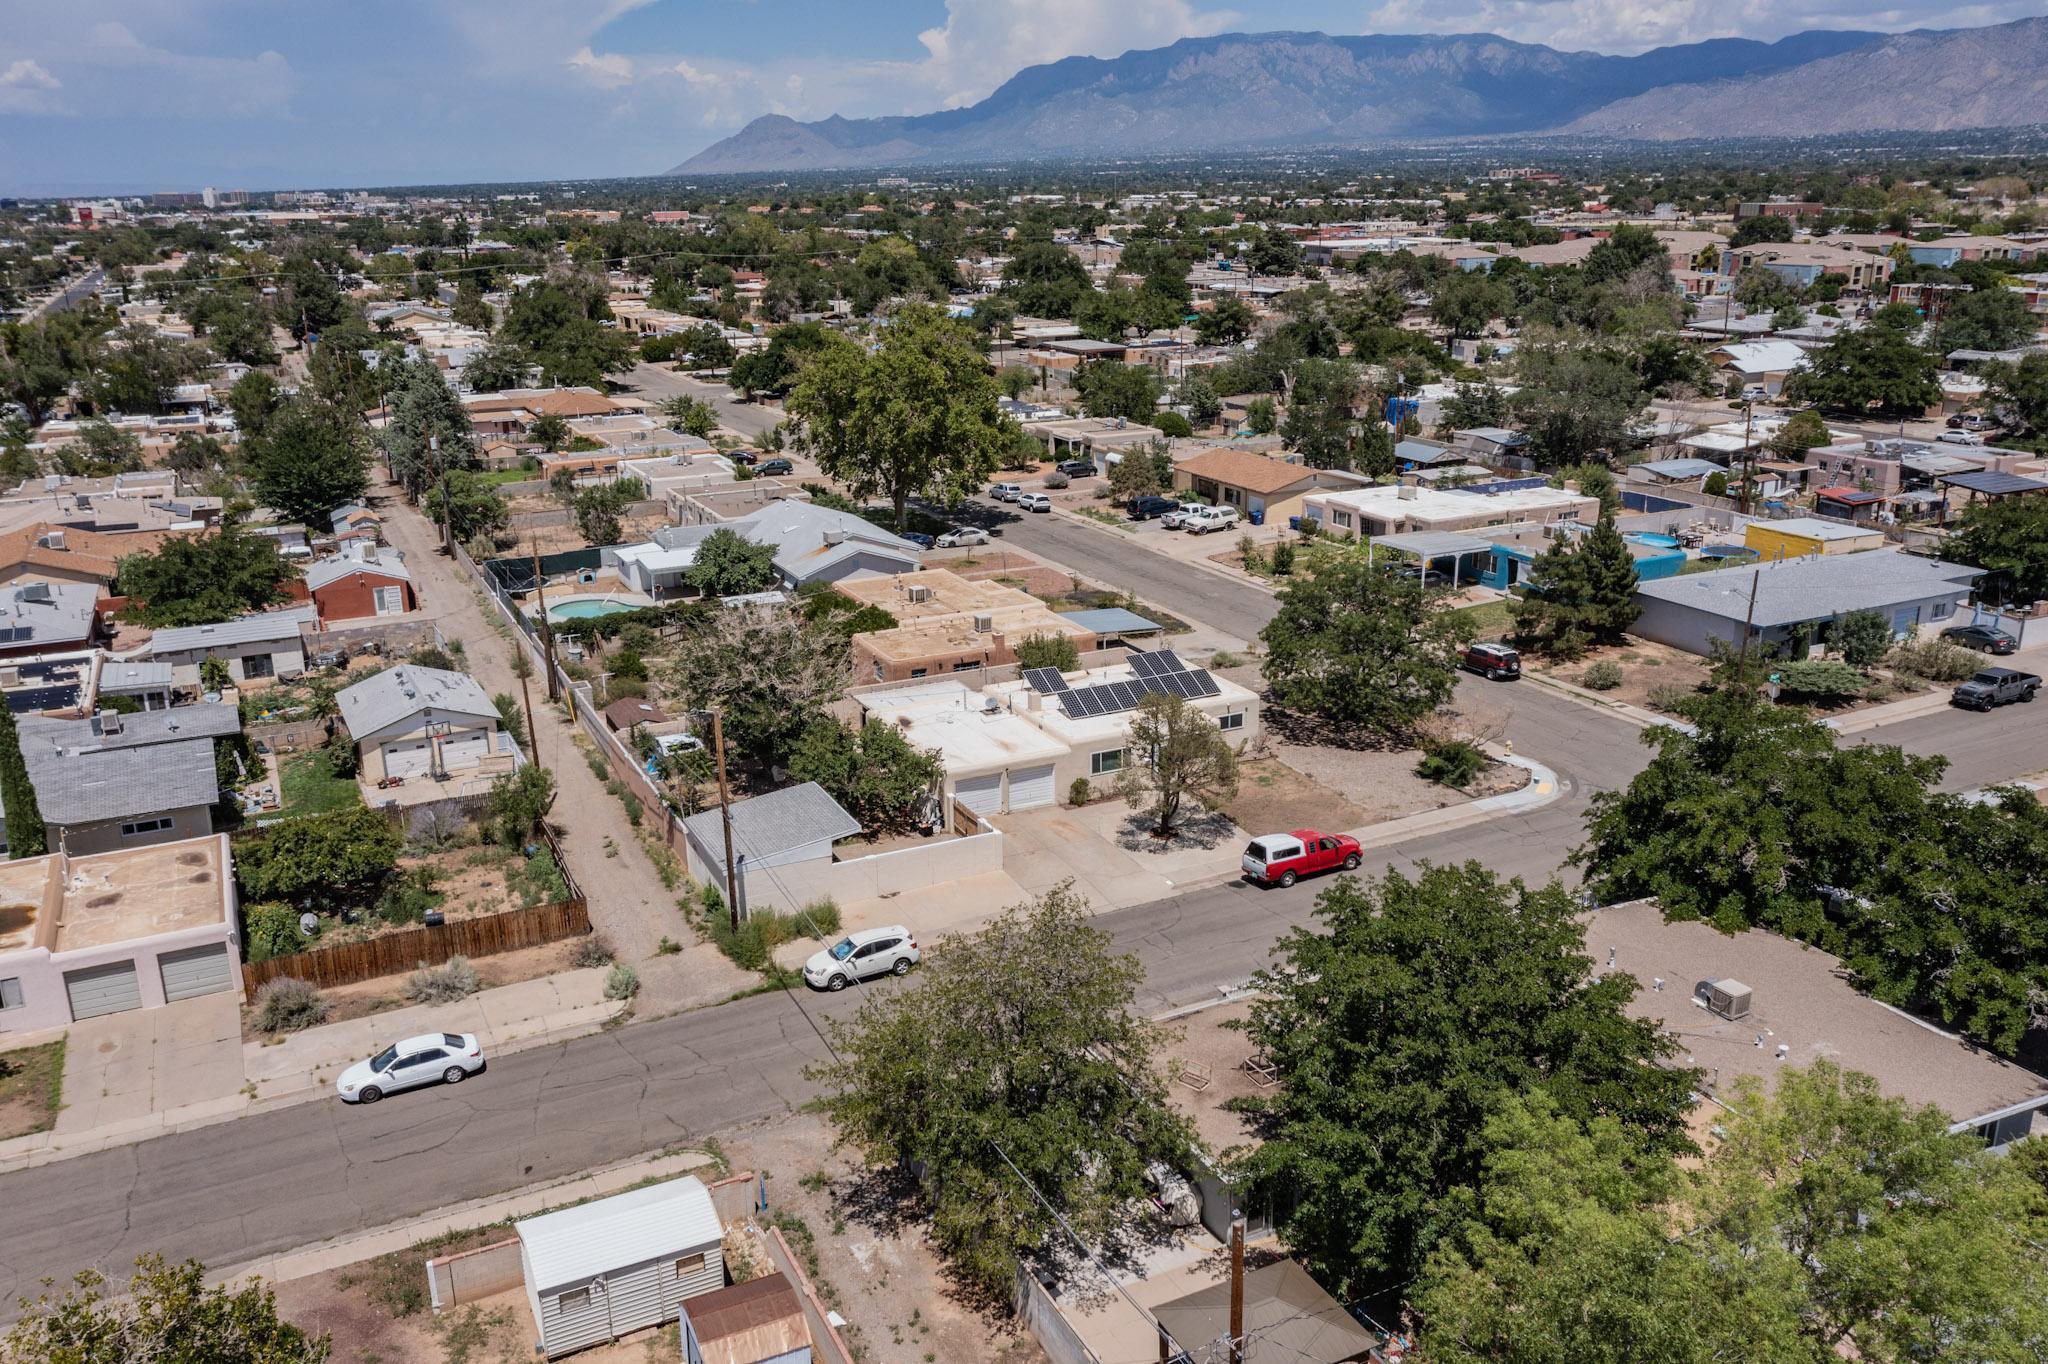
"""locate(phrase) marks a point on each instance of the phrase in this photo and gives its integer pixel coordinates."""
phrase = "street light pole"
(732, 896)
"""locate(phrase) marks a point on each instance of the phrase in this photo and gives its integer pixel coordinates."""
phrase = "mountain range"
(1274, 91)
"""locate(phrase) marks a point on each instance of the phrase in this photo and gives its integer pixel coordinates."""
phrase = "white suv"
(1205, 519)
(870, 952)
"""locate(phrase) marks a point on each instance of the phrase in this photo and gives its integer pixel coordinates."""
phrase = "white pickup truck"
(1202, 520)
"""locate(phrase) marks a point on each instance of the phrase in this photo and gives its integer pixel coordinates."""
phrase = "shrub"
(1934, 659)
(1223, 658)
(593, 951)
(1077, 794)
(1056, 479)
(622, 983)
(1863, 637)
(1048, 651)
(444, 984)
(1819, 680)
(1669, 697)
(287, 1005)
(1452, 762)
(409, 896)
(1603, 676)
(752, 945)
(1283, 559)
(273, 930)
(667, 947)
(540, 881)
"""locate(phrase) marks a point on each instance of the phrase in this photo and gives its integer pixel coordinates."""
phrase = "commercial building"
(1391, 510)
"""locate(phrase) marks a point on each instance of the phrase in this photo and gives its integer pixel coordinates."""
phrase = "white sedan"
(444, 1057)
(962, 536)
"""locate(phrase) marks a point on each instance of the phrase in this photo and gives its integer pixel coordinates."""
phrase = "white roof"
(655, 559)
(569, 1248)
(378, 702)
(970, 739)
(1813, 528)
(1764, 357)
(1429, 504)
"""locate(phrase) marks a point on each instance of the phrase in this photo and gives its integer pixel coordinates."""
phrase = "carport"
(1434, 547)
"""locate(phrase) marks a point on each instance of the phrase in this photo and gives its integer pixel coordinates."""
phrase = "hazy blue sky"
(168, 94)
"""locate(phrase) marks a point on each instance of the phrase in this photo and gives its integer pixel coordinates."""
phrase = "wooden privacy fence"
(346, 963)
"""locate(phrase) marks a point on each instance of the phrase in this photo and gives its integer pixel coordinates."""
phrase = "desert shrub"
(1604, 676)
(409, 896)
(444, 984)
(1863, 637)
(1669, 697)
(1819, 680)
(1056, 479)
(1934, 659)
(1077, 794)
(1880, 690)
(1451, 762)
(287, 1005)
(752, 945)
(622, 983)
(593, 951)
(272, 928)
(1048, 651)
(540, 881)
(1223, 658)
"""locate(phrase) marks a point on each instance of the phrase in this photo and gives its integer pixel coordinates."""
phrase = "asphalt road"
(70, 296)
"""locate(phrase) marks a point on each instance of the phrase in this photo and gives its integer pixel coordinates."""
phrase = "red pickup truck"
(1283, 859)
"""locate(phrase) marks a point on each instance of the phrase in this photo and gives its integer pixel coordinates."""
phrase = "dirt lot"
(1273, 795)
(366, 997)
(1645, 667)
(1379, 783)
(1208, 1046)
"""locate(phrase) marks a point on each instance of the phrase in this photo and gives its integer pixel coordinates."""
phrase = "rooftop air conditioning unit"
(53, 539)
(918, 592)
(835, 536)
(1727, 997)
(984, 625)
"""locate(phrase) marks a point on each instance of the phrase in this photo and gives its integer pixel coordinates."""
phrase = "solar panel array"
(1046, 680)
(1160, 671)
(1157, 663)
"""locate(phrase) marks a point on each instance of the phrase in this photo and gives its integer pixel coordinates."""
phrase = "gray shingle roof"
(387, 562)
(263, 626)
(769, 823)
(381, 701)
(160, 761)
(1814, 588)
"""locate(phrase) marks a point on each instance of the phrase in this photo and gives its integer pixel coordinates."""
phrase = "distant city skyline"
(131, 96)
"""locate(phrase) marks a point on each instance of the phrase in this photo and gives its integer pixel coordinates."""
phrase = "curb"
(1242, 580)
(1620, 710)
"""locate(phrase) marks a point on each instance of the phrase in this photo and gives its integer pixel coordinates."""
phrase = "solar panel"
(1125, 694)
(1167, 661)
(1145, 665)
(1204, 684)
(1071, 704)
(1090, 701)
(1046, 680)
(1182, 685)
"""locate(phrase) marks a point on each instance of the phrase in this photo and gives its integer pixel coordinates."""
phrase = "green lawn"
(1488, 620)
(310, 786)
(31, 1089)
(498, 477)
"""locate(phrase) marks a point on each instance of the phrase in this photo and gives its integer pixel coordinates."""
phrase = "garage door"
(465, 750)
(983, 795)
(1030, 787)
(195, 971)
(103, 990)
(407, 759)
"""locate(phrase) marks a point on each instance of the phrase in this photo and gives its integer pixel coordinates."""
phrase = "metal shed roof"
(1993, 484)
(569, 1248)
(1112, 620)
(776, 821)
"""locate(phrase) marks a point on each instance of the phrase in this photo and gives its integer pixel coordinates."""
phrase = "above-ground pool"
(587, 607)
(1727, 552)
(1654, 539)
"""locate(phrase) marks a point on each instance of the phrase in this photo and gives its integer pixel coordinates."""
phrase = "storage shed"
(619, 1264)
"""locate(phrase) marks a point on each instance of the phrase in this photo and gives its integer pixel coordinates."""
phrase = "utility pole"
(547, 629)
(1237, 1290)
(1748, 414)
(732, 896)
(1749, 617)
(523, 665)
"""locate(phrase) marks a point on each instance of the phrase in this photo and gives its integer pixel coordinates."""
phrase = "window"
(138, 827)
(258, 665)
(1110, 760)
(10, 993)
(917, 672)
(1340, 519)
(1234, 720)
(690, 1264)
(390, 601)
(1941, 610)
(575, 1300)
(878, 670)
(967, 665)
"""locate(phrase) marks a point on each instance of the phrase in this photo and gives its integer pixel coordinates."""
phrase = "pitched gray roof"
(1815, 588)
(264, 626)
(160, 761)
(381, 701)
(770, 823)
(127, 677)
(388, 562)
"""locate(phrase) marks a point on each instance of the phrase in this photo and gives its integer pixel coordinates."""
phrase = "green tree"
(1594, 480)
(2008, 539)
(1863, 637)
(309, 301)
(518, 803)
(601, 510)
(550, 430)
(1261, 418)
(917, 418)
(500, 365)
(1176, 755)
(873, 772)
(1048, 651)
(24, 817)
(169, 1315)
(1360, 647)
(1199, 396)
(1141, 473)
(2019, 392)
(1877, 367)
(1226, 321)
(1765, 227)
(1464, 301)
(1020, 1070)
(770, 670)
(321, 862)
(470, 309)
(1413, 1011)
(102, 449)
(1580, 593)
(728, 564)
(1045, 280)
(429, 432)
(707, 348)
(201, 579)
(1319, 423)
(1481, 404)
(1574, 401)
(474, 506)
(308, 461)
(693, 416)
(1994, 318)
(254, 399)
(1109, 388)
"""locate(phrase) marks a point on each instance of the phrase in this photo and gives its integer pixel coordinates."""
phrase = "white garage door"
(103, 990)
(1030, 787)
(465, 750)
(983, 795)
(407, 758)
(195, 971)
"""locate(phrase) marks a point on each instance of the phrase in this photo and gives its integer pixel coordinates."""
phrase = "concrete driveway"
(1105, 849)
(130, 1067)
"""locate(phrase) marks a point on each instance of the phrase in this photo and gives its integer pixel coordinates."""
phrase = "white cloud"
(985, 42)
(27, 87)
(607, 72)
(28, 74)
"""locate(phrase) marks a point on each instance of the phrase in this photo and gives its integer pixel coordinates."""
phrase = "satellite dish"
(309, 924)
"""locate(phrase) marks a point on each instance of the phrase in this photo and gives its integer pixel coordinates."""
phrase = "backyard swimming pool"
(588, 607)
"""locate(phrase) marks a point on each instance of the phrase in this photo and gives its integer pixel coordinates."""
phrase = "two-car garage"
(984, 792)
(116, 986)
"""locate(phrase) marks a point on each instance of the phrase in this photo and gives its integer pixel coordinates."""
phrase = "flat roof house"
(947, 623)
(37, 617)
(124, 781)
(602, 1269)
(255, 648)
(1800, 1000)
(1259, 486)
(1797, 598)
(1765, 363)
(1803, 535)
(410, 721)
(134, 928)
(1390, 510)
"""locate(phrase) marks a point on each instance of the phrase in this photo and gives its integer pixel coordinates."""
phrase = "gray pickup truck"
(1994, 687)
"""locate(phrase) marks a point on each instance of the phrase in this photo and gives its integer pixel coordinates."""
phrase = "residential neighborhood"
(887, 748)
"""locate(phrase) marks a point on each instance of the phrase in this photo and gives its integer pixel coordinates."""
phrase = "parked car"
(870, 952)
(1428, 577)
(1034, 502)
(1077, 468)
(1960, 438)
(742, 456)
(1755, 393)
(1994, 687)
(1283, 859)
(961, 536)
(918, 538)
(1495, 661)
(1969, 421)
(329, 658)
(1174, 519)
(1145, 508)
(1988, 638)
(445, 1057)
(1005, 492)
(778, 465)
(1209, 519)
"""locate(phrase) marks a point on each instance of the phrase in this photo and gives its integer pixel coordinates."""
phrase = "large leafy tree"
(1319, 423)
(1878, 367)
(1225, 322)
(321, 862)
(309, 300)
(1109, 388)
(308, 461)
(1463, 302)
(917, 417)
(558, 324)
(1045, 280)
(2008, 539)
(429, 432)
(1398, 1024)
(1020, 1070)
(1360, 647)
(200, 579)
(473, 506)
(770, 670)
(728, 564)
(1176, 755)
(2019, 392)
(1994, 318)
(169, 1315)
(137, 368)
(873, 771)
(1574, 400)
(1580, 592)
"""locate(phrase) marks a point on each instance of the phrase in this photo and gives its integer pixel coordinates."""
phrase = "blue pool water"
(1660, 541)
(584, 610)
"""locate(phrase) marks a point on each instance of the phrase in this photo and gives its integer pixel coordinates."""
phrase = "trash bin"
(1294, 523)
(1259, 517)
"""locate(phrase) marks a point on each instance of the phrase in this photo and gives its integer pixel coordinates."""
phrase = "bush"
(1452, 762)
(622, 983)
(1048, 651)
(409, 896)
(272, 930)
(1056, 479)
(1669, 697)
(1934, 659)
(1602, 676)
(1077, 794)
(444, 984)
(540, 881)
(1863, 637)
(1283, 559)
(1823, 681)
(287, 1005)
(1223, 658)
(593, 951)
(752, 945)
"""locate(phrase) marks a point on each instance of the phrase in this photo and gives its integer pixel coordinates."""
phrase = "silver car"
(961, 536)
(446, 1058)
(857, 956)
